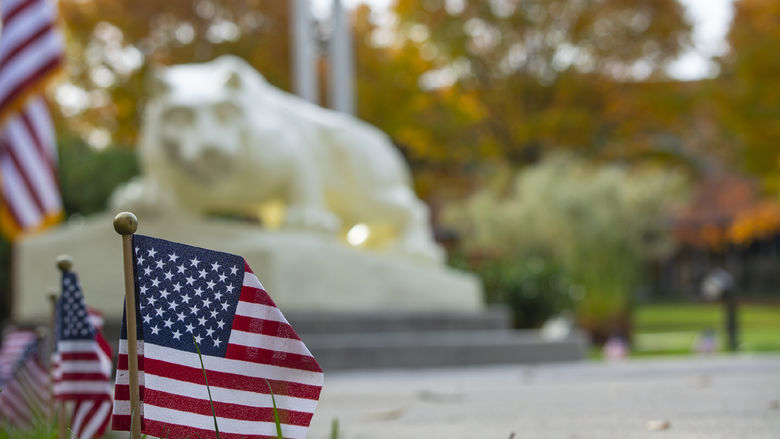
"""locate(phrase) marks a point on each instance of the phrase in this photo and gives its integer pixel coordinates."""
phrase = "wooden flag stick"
(126, 224)
(50, 346)
(65, 264)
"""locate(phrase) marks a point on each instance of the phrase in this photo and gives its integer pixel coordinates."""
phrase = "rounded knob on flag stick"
(125, 223)
(64, 262)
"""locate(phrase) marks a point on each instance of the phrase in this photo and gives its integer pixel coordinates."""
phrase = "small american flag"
(186, 292)
(25, 397)
(82, 363)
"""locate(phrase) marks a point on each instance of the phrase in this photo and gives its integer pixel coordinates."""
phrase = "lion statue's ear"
(156, 83)
(233, 81)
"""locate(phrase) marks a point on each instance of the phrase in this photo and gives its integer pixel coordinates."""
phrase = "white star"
(217, 342)
(201, 321)
(151, 252)
(180, 268)
(172, 304)
(159, 312)
(198, 291)
(186, 298)
(210, 284)
(214, 313)
(198, 339)
(155, 330)
(173, 257)
(202, 274)
(194, 309)
(222, 278)
(189, 327)
(206, 302)
(168, 275)
(180, 316)
(143, 289)
(147, 318)
(225, 306)
(217, 295)
(147, 271)
(151, 300)
(160, 264)
(194, 262)
(168, 323)
(220, 323)
(155, 282)
(190, 280)
(215, 266)
(164, 294)
(137, 249)
(234, 270)
(176, 334)
(209, 332)
(177, 287)
(140, 260)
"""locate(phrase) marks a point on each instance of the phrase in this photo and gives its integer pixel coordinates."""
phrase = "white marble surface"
(301, 270)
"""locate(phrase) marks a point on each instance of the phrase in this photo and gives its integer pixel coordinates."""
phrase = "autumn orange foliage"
(727, 209)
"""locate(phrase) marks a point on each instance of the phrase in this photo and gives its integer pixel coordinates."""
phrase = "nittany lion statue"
(217, 137)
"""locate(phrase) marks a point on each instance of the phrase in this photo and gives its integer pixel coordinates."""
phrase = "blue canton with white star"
(185, 292)
(72, 318)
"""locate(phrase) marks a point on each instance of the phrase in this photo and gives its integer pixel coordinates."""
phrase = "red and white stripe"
(28, 166)
(14, 345)
(80, 371)
(263, 348)
(31, 49)
(91, 416)
(87, 377)
(25, 397)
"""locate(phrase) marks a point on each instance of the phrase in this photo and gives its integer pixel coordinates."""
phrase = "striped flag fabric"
(14, 345)
(91, 416)
(31, 51)
(187, 295)
(25, 397)
(82, 363)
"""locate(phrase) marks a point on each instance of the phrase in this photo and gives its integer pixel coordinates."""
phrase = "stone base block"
(300, 270)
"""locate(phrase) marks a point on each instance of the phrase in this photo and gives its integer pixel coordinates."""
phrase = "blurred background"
(591, 160)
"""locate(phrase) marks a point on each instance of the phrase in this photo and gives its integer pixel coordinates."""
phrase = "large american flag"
(26, 398)
(185, 293)
(82, 363)
(31, 51)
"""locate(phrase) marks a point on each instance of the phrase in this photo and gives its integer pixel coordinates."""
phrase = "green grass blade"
(276, 412)
(208, 389)
(334, 429)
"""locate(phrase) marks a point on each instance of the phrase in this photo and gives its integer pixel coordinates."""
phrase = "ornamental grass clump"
(597, 223)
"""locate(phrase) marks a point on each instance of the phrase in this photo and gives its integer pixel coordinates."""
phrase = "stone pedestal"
(303, 271)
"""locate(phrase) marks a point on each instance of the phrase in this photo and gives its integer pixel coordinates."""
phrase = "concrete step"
(441, 348)
(397, 321)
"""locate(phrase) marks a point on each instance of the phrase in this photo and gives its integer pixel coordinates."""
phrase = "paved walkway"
(713, 398)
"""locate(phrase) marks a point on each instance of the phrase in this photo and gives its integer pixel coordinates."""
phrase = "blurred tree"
(112, 46)
(455, 81)
(750, 88)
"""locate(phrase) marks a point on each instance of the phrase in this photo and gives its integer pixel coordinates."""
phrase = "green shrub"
(534, 289)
